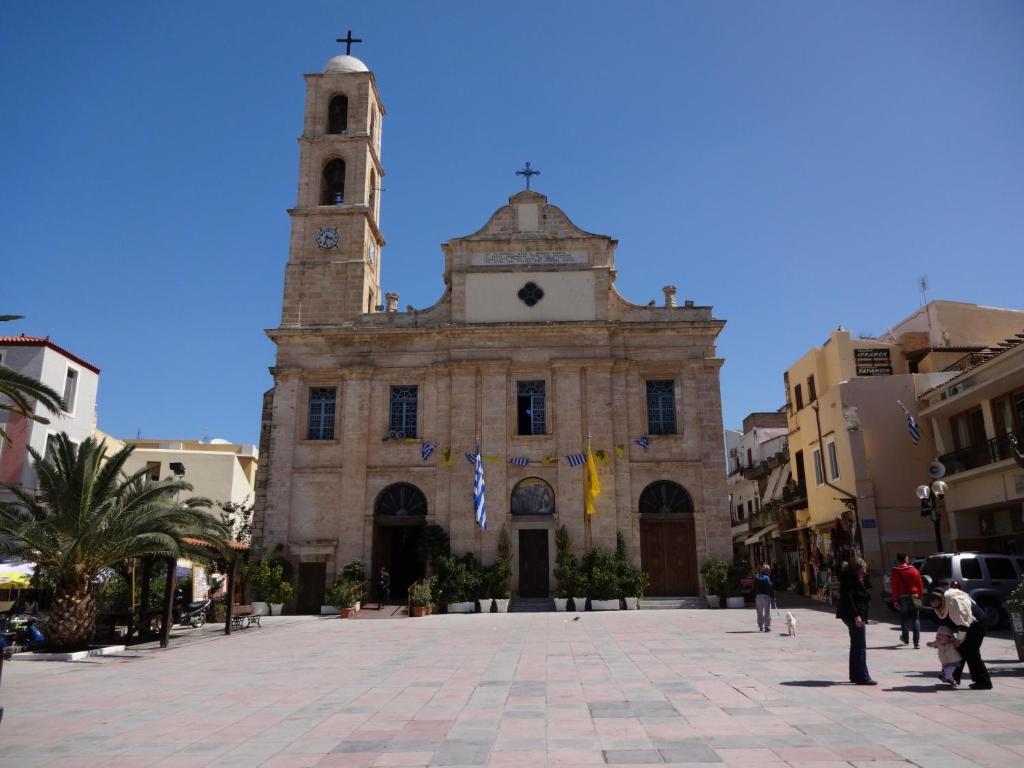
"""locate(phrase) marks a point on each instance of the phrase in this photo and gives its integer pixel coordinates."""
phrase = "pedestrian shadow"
(810, 683)
(918, 688)
(743, 632)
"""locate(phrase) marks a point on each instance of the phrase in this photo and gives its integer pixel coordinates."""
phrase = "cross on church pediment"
(528, 172)
(348, 40)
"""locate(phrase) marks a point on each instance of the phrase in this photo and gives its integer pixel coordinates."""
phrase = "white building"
(753, 457)
(71, 376)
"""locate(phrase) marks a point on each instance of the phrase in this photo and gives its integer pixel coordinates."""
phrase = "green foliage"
(566, 566)
(716, 577)
(268, 581)
(354, 571)
(421, 593)
(458, 579)
(736, 572)
(344, 594)
(1015, 602)
(600, 573)
(497, 580)
(237, 519)
(113, 595)
(632, 581)
(434, 543)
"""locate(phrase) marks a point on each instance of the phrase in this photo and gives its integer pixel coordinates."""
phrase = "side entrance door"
(533, 563)
(312, 583)
(668, 553)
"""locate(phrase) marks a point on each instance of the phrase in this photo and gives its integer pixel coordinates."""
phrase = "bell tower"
(333, 271)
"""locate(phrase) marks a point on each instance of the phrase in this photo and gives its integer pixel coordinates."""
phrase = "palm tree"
(17, 392)
(87, 515)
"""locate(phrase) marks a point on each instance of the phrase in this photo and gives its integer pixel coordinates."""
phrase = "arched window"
(400, 500)
(664, 496)
(332, 184)
(337, 115)
(373, 128)
(532, 496)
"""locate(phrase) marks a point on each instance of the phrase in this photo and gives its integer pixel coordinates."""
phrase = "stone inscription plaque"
(528, 258)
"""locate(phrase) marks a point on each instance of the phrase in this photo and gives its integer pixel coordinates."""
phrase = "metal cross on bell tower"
(348, 40)
(528, 172)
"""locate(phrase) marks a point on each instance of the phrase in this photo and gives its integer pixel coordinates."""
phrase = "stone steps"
(531, 605)
(667, 603)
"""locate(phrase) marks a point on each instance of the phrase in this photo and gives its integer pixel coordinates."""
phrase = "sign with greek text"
(528, 258)
(873, 362)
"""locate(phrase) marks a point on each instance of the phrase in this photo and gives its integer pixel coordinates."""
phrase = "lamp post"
(930, 496)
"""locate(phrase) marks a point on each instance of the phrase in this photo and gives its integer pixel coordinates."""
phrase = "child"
(949, 657)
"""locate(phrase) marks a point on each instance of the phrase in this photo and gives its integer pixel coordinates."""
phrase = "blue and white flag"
(478, 491)
(644, 442)
(471, 458)
(915, 430)
(576, 459)
(519, 461)
(426, 449)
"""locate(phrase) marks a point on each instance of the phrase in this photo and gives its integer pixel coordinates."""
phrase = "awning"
(761, 534)
(794, 530)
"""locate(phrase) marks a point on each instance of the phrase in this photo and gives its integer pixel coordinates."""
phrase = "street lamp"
(930, 496)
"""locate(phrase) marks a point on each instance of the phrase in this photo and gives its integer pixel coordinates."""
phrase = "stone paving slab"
(689, 688)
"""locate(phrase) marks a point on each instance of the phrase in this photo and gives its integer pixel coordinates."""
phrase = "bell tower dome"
(333, 271)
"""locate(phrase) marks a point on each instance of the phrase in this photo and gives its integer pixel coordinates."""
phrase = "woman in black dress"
(854, 601)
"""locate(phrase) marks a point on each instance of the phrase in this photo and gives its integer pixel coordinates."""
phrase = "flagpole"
(931, 438)
(588, 534)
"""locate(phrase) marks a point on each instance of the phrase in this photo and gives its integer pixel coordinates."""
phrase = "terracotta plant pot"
(418, 611)
(346, 612)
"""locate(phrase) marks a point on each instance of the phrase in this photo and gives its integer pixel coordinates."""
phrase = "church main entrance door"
(668, 541)
(312, 582)
(399, 517)
(533, 562)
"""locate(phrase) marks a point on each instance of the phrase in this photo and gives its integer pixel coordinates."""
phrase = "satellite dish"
(936, 470)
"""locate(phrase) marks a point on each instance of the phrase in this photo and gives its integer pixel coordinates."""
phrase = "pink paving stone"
(404, 758)
(806, 754)
(75, 761)
(349, 760)
(525, 759)
(575, 757)
(291, 761)
(864, 752)
(750, 757)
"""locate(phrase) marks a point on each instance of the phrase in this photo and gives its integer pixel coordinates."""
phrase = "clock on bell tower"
(333, 271)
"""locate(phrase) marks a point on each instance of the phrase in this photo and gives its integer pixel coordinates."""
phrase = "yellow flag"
(593, 488)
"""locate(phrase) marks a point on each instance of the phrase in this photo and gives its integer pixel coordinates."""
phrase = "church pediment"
(529, 216)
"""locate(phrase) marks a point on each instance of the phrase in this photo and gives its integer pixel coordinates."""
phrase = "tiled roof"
(36, 341)
(985, 355)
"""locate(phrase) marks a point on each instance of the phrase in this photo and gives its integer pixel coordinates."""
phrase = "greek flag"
(426, 449)
(915, 430)
(471, 458)
(644, 442)
(478, 491)
(519, 461)
(576, 459)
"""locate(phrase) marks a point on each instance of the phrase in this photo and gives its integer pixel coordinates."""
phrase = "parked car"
(988, 578)
(917, 562)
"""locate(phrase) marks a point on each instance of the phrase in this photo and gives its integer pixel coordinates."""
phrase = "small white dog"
(791, 623)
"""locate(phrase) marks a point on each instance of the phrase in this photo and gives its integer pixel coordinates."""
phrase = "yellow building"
(975, 417)
(855, 463)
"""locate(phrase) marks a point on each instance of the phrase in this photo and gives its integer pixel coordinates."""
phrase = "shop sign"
(873, 362)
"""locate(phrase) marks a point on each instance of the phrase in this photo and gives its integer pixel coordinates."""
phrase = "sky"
(796, 165)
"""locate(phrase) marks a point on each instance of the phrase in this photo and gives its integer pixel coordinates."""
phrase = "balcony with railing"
(974, 456)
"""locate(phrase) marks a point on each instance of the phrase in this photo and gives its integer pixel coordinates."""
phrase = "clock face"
(327, 237)
(371, 252)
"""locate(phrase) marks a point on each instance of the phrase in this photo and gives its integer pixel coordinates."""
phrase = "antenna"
(923, 284)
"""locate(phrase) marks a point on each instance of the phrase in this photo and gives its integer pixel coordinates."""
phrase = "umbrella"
(16, 576)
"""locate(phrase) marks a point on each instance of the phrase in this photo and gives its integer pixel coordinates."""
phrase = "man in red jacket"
(907, 592)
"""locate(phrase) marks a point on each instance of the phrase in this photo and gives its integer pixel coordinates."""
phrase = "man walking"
(764, 594)
(907, 593)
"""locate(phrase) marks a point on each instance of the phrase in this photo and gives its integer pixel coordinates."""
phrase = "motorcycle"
(194, 614)
(23, 632)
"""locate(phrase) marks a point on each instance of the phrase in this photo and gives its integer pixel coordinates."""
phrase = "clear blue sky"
(796, 165)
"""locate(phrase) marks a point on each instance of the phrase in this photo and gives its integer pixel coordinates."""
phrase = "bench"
(242, 617)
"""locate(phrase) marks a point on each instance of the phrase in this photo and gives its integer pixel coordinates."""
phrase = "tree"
(87, 515)
(17, 391)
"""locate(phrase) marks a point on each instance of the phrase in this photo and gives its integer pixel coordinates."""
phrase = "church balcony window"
(337, 115)
(661, 408)
(531, 408)
(404, 402)
(322, 401)
(332, 183)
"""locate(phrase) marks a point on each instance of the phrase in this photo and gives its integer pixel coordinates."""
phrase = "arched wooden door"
(668, 540)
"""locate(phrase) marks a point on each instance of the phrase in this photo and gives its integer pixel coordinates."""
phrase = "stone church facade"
(530, 352)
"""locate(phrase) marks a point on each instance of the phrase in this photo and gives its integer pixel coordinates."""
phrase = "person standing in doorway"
(854, 602)
(384, 585)
(764, 594)
(907, 593)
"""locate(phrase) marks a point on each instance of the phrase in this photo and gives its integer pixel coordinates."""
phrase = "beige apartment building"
(855, 464)
(977, 418)
(529, 353)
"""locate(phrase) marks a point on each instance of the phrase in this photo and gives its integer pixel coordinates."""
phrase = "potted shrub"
(421, 595)
(566, 568)
(716, 580)
(270, 586)
(632, 580)
(600, 570)
(501, 574)
(346, 595)
(455, 585)
(734, 588)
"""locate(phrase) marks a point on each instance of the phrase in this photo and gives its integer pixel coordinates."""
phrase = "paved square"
(640, 688)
